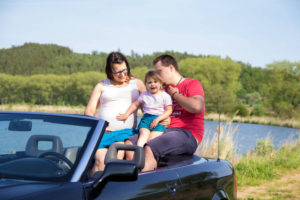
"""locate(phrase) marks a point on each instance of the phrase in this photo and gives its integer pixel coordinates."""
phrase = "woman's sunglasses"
(121, 71)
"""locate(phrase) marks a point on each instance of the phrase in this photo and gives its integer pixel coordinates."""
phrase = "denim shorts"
(147, 120)
(174, 141)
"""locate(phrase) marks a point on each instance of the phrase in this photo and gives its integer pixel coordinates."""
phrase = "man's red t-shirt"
(181, 118)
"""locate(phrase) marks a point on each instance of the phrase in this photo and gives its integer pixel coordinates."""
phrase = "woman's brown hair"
(115, 58)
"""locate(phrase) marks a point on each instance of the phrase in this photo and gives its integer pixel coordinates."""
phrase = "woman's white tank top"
(114, 100)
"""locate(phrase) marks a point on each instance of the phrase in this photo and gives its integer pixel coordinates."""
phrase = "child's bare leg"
(143, 137)
(154, 134)
(121, 153)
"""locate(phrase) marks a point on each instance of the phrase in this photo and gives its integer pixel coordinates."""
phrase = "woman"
(114, 95)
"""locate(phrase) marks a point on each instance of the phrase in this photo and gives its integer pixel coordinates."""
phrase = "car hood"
(10, 188)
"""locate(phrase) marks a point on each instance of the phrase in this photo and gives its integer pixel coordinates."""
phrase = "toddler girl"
(156, 105)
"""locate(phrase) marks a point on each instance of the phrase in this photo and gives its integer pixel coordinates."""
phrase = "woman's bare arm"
(94, 100)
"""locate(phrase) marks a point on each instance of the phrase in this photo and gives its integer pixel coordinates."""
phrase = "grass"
(209, 145)
(261, 164)
(43, 108)
(267, 120)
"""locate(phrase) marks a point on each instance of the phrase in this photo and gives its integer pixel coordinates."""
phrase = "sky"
(256, 32)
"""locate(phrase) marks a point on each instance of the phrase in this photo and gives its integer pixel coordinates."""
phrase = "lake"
(246, 134)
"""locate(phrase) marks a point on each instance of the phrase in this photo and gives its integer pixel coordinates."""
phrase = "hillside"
(33, 58)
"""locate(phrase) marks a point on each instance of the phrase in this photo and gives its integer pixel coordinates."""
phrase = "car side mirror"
(20, 125)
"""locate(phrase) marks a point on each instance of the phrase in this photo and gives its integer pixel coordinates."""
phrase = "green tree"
(282, 90)
(140, 72)
(219, 77)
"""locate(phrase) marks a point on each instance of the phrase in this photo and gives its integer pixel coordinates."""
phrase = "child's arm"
(164, 115)
(133, 107)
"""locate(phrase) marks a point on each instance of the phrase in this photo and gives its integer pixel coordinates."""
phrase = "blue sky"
(252, 31)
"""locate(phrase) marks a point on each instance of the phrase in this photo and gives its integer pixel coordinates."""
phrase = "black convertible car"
(50, 156)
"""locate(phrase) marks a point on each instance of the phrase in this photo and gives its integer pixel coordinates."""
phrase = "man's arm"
(192, 104)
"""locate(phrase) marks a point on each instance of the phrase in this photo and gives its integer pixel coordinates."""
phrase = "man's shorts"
(174, 141)
(147, 120)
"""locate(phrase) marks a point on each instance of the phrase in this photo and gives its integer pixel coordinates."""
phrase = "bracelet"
(173, 94)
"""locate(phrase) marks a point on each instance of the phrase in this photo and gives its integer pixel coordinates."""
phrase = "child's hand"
(122, 117)
(154, 123)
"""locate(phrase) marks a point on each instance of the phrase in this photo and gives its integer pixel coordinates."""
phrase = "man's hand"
(154, 123)
(166, 122)
(171, 90)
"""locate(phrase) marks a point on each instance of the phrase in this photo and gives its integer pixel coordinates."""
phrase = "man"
(186, 129)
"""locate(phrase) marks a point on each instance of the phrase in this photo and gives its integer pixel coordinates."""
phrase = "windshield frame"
(87, 149)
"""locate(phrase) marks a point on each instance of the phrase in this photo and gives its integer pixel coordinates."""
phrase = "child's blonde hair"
(154, 75)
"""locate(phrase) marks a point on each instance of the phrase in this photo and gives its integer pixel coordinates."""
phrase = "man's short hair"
(166, 60)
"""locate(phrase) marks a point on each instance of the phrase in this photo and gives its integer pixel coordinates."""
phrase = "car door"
(204, 179)
(156, 184)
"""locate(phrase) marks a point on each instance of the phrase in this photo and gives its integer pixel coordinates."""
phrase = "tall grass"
(257, 166)
(267, 120)
(43, 108)
(265, 163)
(209, 145)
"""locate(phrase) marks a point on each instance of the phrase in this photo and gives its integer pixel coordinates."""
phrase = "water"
(247, 134)
(244, 138)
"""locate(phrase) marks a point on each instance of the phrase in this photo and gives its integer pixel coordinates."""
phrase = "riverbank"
(266, 120)
(43, 108)
(264, 172)
(292, 123)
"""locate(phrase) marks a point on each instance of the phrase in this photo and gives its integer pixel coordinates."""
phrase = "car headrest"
(32, 146)
(139, 155)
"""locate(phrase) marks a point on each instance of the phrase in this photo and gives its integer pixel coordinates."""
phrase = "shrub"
(283, 109)
(258, 110)
(253, 98)
(241, 110)
(264, 147)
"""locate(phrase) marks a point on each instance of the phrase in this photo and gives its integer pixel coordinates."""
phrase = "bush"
(258, 110)
(264, 147)
(253, 98)
(241, 110)
(283, 109)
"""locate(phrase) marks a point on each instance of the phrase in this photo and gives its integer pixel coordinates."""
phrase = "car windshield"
(40, 146)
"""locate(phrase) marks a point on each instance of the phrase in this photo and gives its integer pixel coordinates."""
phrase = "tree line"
(52, 74)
